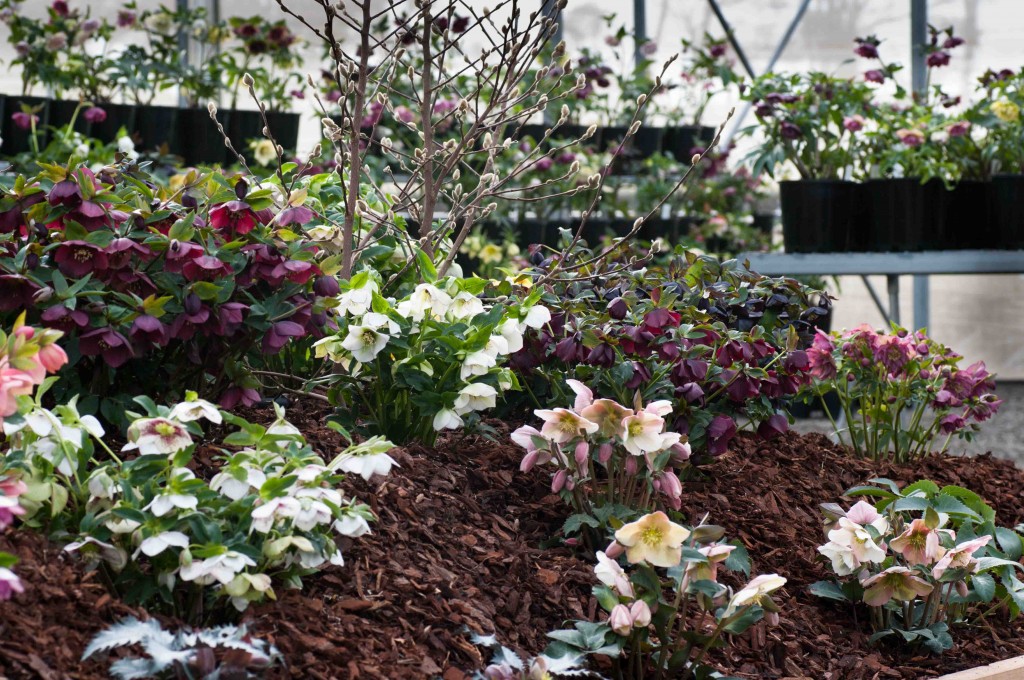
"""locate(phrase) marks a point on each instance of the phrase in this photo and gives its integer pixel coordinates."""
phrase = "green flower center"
(652, 536)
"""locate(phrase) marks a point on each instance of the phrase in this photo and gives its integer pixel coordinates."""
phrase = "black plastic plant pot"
(901, 210)
(61, 113)
(197, 140)
(532, 231)
(154, 129)
(763, 222)
(15, 139)
(534, 131)
(968, 220)
(1008, 212)
(285, 128)
(647, 141)
(820, 215)
(682, 140)
(243, 127)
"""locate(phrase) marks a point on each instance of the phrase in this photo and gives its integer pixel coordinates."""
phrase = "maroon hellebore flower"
(952, 42)
(60, 8)
(236, 217)
(233, 396)
(206, 268)
(78, 258)
(775, 426)
(874, 76)
(25, 121)
(16, 292)
(937, 59)
(719, 433)
(326, 286)
(179, 253)
(790, 130)
(64, 319)
(94, 114)
(295, 214)
(111, 345)
(866, 49)
(148, 330)
(278, 334)
(65, 192)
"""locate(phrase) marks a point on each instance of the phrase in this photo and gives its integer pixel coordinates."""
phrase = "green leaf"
(929, 487)
(985, 586)
(575, 522)
(1010, 542)
(829, 590)
(971, 500)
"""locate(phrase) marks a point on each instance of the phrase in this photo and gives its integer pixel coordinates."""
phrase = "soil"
(458, 546)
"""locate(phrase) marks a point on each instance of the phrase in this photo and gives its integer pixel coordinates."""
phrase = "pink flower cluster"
(602, 448)
(28, 355)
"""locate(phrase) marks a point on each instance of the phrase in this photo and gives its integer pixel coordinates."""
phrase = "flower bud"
(772, 619)
(681, 452)
(326, 286)
(671, 485)
(613, 550)
(604, 453)
(695, 159)
(631, 465)
(620, 620)
(570, 483)
(558, 481)
(529, 460)
(640, 613)
(617, 309)
(582, 454)
(961, 588)
(192, 304)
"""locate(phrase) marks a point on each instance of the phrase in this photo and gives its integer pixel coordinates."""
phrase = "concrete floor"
(1003, 435)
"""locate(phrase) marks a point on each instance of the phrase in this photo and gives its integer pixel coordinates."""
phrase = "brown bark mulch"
(458, 545)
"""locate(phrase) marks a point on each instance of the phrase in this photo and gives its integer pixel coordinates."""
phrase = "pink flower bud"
(582, 454)
(681, 452)
(961, 588)
(613, 550)
(25, 332)
(620, 620)
(772, 619)
(570, 484)
(572, 542)
(623, 586)
(671, 485)
(529, 460)
(631, 465)
(604, 453)
(640, 613)
(656, 484)
(558, 481)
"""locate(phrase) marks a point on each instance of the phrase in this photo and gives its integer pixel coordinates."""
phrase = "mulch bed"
(458, 546)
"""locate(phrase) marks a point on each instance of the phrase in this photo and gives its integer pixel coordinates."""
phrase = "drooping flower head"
(653, 539)
(895, 583)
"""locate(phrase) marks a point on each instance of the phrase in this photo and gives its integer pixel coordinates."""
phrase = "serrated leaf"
(829, 590)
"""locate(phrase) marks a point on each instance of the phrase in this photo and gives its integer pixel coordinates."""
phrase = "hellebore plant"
(425, 363)
(922, 559)
(609, 459)
(899, 391)
(666, 608)
(179, 289)
(266, 513)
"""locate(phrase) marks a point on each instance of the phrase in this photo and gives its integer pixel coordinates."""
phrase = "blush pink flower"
(895, 583)
(960, 557)
(562, 425)
(643, 433)
(918, 544)
(609, 416)
(653, 539)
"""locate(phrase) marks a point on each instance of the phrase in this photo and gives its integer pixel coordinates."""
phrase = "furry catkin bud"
(212, 108)
(564, 115)
(591, 131)
(695, 159)
(641, 100)
(637, 222)
(248, 81)
(634, 128)
(574, 168)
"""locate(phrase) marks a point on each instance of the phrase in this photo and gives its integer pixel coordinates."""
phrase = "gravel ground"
(1003, 435)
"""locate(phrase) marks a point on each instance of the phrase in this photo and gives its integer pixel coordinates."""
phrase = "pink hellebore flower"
(897, 583)
(961, 128)
(9, 584)
(910, 136)
(24, 121)
(562, 425)
(854, 123)
(9, 509)
(716, 553)
(960, 557)
(918, 544)
(584, 395)
(13, 383)
(754, 592)
(609, 416)
(850, 546)
(620, 620)
(612, 575)
(94, 114)
(643, 434)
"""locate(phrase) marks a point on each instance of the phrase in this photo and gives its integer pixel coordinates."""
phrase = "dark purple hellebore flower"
(326, 286)
(278, 335)
(24, 121)
(63, 318)
(617, 309)
(797, 361)
(691, 392)
(790, 130)
(774, 427)
(111, 345)
(720, 432)
(234, 396)
(296, 214)
(65, 192)
(120, 250)
(937, 59)
(952, 42)
(16, 292)
(874, 76)
(180, 253)
(866, 50)
(148, 330)
(206, 268)
(78, 258)
(603, 355)
(640, 376)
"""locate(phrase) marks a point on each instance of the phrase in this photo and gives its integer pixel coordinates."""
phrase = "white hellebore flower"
(357, 301)
(352, 526)
(365, 341)
(643, 434)
(423, 299)
(167, 502)
(154, 545)
(477, 363)
(475, 397)
(465, 306)
(513, 335)
(187, 411)
(366, 465)
(221, 568)
(754, 591)
(157, 436)
(447, 419)
(265, 516)
(536, 317)
(236, 483)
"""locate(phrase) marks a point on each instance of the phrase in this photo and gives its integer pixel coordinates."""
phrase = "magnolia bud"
(640, 613)
(620, 620)
(248, 81)
(695, 159)
(604, 453)
(582, 454)
(211, 108)
(634, 128)
(613, 550)
(558, 481)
